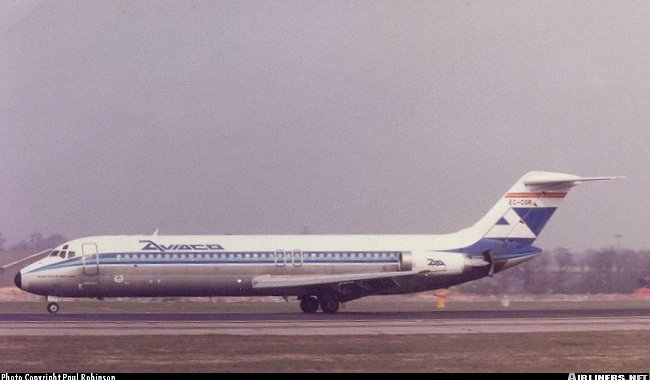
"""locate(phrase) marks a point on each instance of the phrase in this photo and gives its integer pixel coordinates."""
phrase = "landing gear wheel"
(52, 307)
(309, 305)
(329, 305)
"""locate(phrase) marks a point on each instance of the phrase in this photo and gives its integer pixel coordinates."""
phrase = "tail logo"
(521, 223)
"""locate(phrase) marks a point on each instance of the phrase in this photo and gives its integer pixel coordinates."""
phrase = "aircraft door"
(90, 259)
(297, 258)
(280, 258)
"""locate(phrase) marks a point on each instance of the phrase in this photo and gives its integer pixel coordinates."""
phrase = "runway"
(341, 316)
(298, 324)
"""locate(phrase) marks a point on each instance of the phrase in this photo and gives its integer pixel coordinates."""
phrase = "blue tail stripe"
(535, 218)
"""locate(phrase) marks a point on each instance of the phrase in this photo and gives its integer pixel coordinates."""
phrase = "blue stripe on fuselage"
(226, 258)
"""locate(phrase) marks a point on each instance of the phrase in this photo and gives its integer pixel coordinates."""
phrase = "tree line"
(36, 242)
(605, 270)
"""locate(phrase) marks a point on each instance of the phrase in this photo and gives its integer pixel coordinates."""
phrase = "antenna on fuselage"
(155, 233)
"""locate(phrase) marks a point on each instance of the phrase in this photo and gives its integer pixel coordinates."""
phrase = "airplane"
(322, 271)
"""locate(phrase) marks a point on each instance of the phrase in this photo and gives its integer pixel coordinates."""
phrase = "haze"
(280, 117)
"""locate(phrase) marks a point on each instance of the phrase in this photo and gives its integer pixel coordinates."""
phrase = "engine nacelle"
(406, 261)
(438, 263)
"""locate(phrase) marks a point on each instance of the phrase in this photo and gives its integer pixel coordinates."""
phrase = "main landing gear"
(309, 305)
(328, 304)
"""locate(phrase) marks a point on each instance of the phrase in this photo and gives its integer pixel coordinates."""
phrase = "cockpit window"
(62, 254)
(54, 253)
(71, 254)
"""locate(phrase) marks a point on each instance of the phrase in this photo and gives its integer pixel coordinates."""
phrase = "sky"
(332, 117)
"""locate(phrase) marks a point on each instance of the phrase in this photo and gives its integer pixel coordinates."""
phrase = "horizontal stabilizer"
(550, 180)
(521, 214)
(270, 281)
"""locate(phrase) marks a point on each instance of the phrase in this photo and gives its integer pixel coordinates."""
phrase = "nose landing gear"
(53, 307)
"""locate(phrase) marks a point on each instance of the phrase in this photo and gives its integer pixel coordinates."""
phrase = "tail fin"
(521, 214)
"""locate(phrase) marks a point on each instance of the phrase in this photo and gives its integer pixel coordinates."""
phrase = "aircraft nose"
(18, 280)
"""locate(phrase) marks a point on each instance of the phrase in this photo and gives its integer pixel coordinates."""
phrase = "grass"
(531, 352)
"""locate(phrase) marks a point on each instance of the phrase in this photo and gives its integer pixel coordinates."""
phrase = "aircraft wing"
(11, 264)
(269, 281)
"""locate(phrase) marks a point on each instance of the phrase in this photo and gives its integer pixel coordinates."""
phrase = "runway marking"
(324, 327)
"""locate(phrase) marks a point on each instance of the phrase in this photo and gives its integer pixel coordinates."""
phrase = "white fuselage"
(109, 266)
